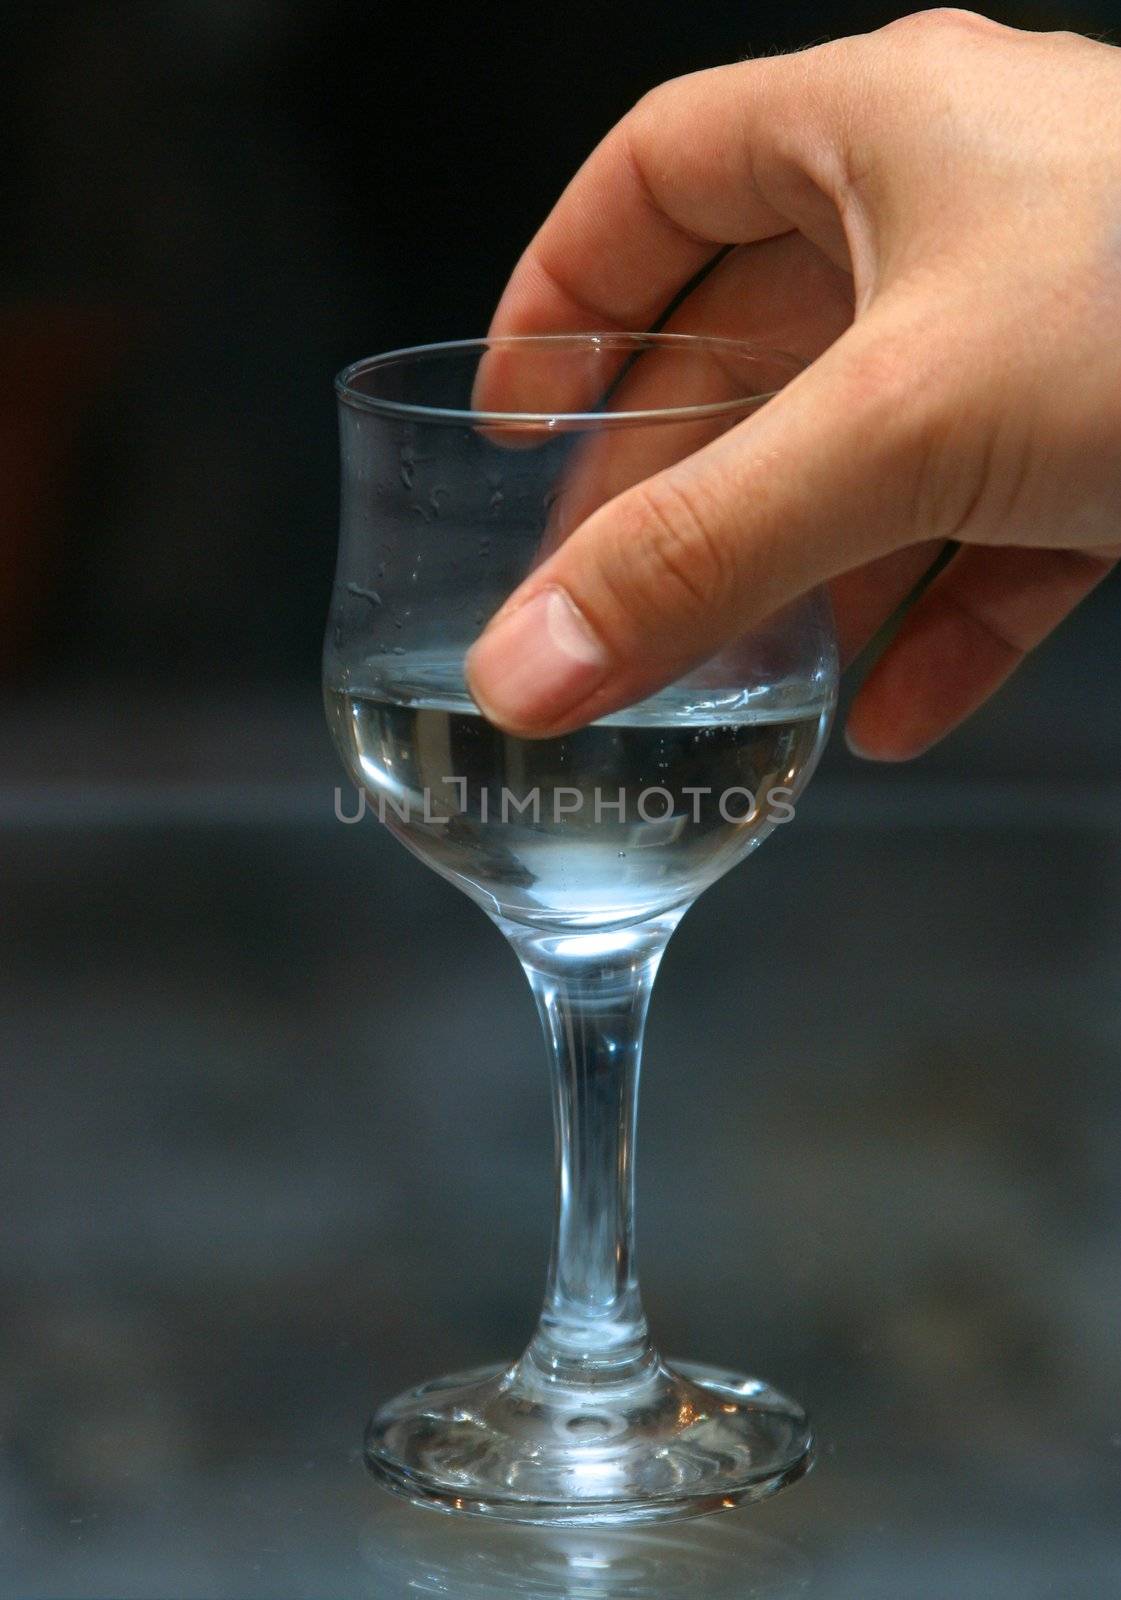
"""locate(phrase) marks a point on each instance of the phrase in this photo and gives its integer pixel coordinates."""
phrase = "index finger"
(729, 155)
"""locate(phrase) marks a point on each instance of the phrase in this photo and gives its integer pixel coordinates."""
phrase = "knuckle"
(650, 107)
(683, 564)
(651, 100)
(940, 21)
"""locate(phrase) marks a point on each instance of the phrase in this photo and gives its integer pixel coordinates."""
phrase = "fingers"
(865, 598)
(726, 156)
(783, 294)
(780, 295)
(966, 633)
(529, 381)
(976, 239)
(824, 478)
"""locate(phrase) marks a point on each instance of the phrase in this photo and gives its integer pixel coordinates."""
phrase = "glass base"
(515, 1444)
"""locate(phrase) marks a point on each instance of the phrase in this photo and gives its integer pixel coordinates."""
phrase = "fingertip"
(872, 745)
(855, 747)
(536, 664)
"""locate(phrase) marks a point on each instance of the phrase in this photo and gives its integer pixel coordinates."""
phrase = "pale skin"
(930, 215)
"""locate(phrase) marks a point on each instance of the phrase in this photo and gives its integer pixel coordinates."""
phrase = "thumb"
(829, 474)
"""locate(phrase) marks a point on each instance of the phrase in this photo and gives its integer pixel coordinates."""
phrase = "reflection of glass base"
(509, 1443)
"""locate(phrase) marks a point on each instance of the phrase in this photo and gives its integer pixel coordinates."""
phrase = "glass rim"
(559, 420)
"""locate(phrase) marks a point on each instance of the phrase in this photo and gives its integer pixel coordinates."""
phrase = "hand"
(931, 214)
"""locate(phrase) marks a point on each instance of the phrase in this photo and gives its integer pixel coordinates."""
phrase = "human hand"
(931, 214)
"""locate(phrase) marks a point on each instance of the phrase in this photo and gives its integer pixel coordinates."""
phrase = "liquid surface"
(608, 825)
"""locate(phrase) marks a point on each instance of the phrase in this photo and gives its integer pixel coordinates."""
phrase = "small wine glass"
(462, 464)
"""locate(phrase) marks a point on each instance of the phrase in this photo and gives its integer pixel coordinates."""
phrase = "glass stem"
(592, 991)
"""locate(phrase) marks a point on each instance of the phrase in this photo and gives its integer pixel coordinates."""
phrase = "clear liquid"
(602, 827)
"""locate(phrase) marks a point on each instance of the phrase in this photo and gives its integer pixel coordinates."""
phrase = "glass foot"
(514, 1444)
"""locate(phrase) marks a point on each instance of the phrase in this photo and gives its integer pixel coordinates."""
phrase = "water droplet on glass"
(381, 569)
(408, 473)
(438, 493)
(496, 500)
(370, 595)
(398, 649)
(397, 623)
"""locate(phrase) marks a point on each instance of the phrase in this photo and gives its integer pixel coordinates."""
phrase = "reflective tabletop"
(276, 1144)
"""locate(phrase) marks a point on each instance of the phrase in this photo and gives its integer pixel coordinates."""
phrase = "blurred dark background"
(275, 1134)
(211, 206)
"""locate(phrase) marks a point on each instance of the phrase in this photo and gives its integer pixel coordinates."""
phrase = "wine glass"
(462, 465)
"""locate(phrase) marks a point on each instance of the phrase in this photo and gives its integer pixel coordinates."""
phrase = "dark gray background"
(275, 1127)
